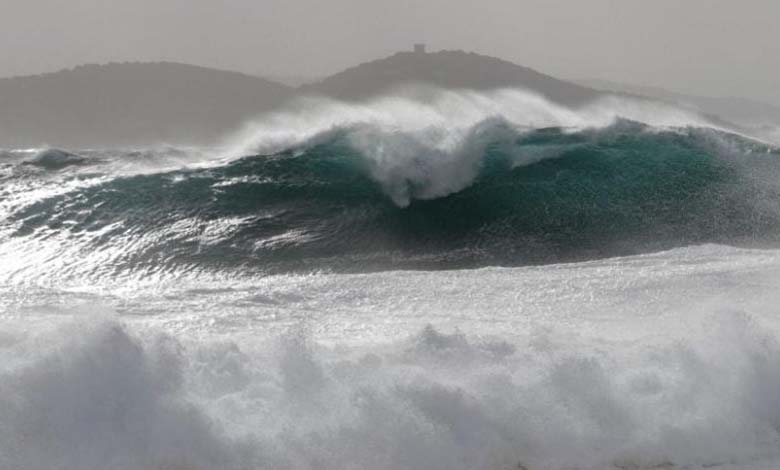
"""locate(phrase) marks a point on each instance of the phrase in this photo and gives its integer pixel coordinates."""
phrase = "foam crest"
(94, 395)
(430, 148)
(90, 396)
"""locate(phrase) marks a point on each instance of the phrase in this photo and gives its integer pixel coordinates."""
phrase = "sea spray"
(493, 195)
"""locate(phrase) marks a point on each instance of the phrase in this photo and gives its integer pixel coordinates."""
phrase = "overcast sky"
(719, 47)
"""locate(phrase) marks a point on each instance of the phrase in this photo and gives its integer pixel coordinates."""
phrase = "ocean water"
(480, 281)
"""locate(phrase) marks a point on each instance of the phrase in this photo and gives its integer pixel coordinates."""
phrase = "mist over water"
(296, 298)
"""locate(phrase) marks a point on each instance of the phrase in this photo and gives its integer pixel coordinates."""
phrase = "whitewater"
(435, 280)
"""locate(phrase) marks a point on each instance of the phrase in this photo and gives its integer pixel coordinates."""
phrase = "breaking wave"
(170, 309)
(473, 180)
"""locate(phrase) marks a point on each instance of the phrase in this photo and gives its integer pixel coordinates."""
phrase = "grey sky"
(721, 47)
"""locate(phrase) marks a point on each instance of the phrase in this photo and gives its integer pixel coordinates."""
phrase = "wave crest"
(432, 148)
(408, 185)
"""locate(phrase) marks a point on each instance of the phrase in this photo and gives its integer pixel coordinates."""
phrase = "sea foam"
(658, 361)
(105, 396)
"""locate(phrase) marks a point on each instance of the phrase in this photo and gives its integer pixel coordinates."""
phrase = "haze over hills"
(743, 111)
(447, 69)
(128, 104)
(131, 104)
(147, 103)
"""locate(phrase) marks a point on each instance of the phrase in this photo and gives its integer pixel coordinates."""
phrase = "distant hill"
(448, 69)
(131, 103)
(739, 110)
(148, 103)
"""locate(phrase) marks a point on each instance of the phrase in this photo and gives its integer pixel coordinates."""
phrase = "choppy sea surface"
(483, 281)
